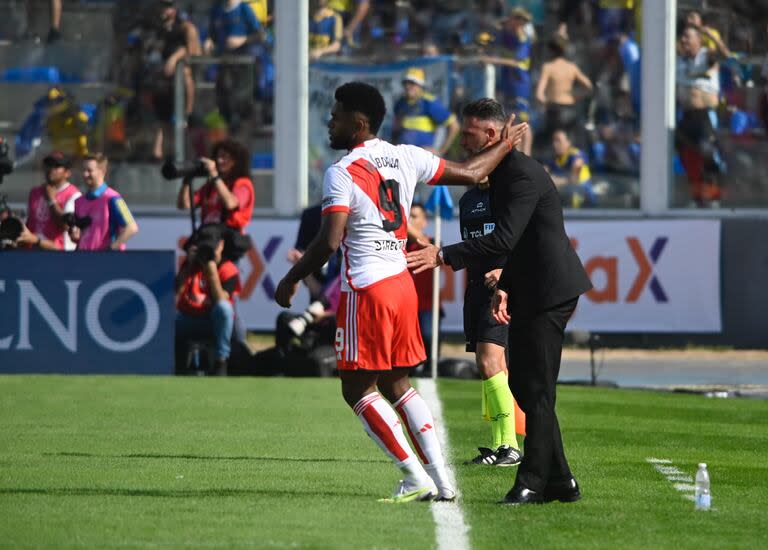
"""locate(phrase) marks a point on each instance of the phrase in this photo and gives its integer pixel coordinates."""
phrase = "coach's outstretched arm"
(476, 169)
(317, 253)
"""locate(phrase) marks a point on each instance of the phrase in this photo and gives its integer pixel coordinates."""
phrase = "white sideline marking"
(664, 467)
(451, 529)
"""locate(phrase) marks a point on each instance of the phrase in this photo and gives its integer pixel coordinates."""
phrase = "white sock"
(383, 426)
(420, 424)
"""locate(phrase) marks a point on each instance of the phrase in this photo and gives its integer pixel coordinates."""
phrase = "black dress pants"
(535, 348)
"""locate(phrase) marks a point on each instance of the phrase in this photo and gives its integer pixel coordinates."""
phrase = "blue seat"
(262, 161)
(31, 75)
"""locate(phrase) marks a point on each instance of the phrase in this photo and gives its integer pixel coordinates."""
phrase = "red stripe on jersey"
(384, 433)
(369, 180)
(438, 174)
(337, 208)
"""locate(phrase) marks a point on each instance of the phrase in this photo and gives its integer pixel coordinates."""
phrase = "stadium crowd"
(570, 65)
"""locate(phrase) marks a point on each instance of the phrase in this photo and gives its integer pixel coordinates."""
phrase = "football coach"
(536, 295)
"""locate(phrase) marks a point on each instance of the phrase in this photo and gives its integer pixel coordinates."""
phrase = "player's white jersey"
(375, 183)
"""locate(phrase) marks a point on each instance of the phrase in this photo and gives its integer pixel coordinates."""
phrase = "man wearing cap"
(49, 202)
(418, 115)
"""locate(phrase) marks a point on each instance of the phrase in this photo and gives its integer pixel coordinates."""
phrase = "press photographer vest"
(100, 234)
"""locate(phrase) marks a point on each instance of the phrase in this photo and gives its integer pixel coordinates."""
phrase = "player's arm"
(476, 169)
(317, 253)
(512, 213)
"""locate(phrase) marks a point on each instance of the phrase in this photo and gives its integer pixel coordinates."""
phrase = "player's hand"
(499, 307)
(423, 259)
(492, 278)
(514, 132)
(285, 291)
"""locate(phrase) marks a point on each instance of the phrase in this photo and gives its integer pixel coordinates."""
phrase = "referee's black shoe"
(564, 492)
(519, 495)
(507, 456)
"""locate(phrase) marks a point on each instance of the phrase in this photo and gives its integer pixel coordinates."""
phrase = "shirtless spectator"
(698, 93)
(710, 37)
(556, 93)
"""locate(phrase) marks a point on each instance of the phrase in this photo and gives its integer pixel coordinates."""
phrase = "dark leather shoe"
(564, 492)
(518, 495)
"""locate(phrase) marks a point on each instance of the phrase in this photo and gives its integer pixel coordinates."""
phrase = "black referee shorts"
(479, 324)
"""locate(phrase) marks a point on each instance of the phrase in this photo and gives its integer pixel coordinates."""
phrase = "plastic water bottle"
(703, 497)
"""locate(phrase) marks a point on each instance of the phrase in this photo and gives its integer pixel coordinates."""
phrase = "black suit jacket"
(542, 268)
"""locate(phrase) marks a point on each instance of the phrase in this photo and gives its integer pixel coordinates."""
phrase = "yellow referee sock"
(501, 410)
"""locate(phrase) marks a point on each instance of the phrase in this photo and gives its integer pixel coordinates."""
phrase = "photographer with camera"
(101, 220)
(49, 203)
(205, 289)
(227, 197)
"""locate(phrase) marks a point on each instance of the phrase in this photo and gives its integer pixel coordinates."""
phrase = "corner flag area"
(152, 462)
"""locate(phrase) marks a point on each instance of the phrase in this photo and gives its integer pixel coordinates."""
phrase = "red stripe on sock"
(415, 441)
(404, 398)
(365, 401)
(384, 433)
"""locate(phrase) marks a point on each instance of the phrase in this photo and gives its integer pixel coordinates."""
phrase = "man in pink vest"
(104, 221)
(49, 202)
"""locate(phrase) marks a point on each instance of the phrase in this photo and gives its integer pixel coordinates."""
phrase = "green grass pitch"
(127, 462)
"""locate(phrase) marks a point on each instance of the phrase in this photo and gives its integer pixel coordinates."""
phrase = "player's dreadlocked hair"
(485, 109)
(365, 99)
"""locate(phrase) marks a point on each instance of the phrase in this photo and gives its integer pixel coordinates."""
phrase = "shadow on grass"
(173, 493)
(206, 457)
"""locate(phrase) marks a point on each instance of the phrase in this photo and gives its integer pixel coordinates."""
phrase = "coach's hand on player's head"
(424, 258)
(499, 307)
(513, 132)
(285, 291)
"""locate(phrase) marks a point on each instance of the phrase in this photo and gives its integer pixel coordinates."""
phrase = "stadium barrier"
(87, 312)
(656, 276)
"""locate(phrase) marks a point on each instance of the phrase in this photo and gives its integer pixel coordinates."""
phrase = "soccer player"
(111, 223)
(366, 197)
(486, 337)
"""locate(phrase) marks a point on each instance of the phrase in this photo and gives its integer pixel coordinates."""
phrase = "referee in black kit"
(536, 295)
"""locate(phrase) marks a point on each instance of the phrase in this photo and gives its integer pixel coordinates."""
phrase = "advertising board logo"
(258, 268)
(604, 273)
(66, 330)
